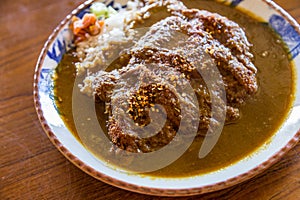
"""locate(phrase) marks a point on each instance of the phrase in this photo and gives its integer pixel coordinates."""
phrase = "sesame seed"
(172, 78)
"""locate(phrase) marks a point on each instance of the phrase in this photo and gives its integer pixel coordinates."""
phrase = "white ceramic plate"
(288, 135)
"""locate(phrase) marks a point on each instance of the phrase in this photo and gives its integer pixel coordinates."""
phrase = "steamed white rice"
(115, 31)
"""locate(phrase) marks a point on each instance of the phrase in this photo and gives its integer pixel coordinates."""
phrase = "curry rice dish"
(252, 60)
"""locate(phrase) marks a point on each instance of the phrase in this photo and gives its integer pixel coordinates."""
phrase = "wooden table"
(32, 168)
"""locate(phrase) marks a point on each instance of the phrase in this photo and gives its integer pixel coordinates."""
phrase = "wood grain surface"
(32, 168)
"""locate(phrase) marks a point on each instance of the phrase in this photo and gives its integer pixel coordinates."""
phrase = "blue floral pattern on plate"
(288, 33)
(58, 50)
(235, 2)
